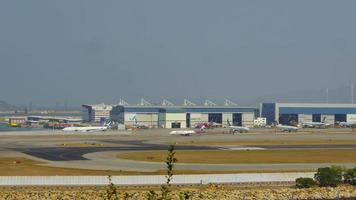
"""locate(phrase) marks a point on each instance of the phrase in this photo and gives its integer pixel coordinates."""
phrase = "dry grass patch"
(267, 142)
(250, 157)
(18, 166)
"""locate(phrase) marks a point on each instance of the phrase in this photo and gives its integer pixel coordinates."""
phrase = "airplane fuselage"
(85, 129)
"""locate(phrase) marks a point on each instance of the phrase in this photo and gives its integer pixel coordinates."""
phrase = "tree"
(329, 176)
(170, 161)
(350, 176)
(165, 189)
(111, 191)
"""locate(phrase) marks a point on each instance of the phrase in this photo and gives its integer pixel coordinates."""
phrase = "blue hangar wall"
(299, 112)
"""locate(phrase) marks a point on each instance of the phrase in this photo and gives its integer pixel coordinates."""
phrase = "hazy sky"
(100, 51)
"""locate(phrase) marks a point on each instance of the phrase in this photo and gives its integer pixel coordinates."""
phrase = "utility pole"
(327, 95)
(352, 92)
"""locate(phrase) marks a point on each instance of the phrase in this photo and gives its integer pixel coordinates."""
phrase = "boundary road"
(149, 179)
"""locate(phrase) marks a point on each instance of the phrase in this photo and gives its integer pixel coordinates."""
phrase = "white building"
(182, 116)
(96, 113)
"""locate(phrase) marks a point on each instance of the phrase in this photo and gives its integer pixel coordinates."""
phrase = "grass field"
(250, 157)
(17, 166)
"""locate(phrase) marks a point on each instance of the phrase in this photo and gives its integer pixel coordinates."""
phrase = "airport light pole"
(327, 95)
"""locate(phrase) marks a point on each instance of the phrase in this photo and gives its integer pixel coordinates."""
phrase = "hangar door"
(340, 118)
(288, 119)
(215, 117)
(187, 118)
(316, 118)
(175, 125)
(237, 119)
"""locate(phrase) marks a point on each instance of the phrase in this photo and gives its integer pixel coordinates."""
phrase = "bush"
(329, 176)
(305, 183)
(350, 176)
(111, 191)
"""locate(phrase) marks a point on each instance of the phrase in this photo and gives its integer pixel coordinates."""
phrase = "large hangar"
(182, 116)
(289, 113)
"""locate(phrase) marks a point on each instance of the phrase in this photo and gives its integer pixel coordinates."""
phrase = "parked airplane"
(322, 124)
(188, 132)
(241, 129)
(208, 125)
(105, 127)
(286, 128)
(86, 129)
(348, 124)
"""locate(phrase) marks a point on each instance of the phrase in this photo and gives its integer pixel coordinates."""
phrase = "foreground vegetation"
(210, 192)
(324, 177)
(329, 177)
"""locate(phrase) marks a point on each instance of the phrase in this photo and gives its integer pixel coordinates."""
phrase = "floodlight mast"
(230, 103)
(167, 103)
(188, 103)
(352, 92)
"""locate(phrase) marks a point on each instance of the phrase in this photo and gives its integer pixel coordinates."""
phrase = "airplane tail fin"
(324, 119)
(202, 128)
(228, 122)
(276, 123)
(107, 123)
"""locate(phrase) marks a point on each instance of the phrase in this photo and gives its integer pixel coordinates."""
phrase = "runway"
(76, 153)
(54, 148)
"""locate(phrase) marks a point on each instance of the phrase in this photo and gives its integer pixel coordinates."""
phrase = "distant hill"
(6, 106)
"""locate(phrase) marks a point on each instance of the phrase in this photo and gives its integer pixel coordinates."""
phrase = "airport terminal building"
(96, 113)
(182, 116)
(288, 113)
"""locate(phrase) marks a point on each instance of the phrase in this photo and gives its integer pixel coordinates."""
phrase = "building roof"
(317, 105)
(185, 109)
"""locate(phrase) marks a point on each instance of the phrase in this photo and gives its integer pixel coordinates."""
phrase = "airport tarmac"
(53, 148)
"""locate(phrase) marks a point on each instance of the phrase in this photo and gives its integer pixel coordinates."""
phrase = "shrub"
(111, 191)
(165, 189)
(185, 195)
(170, 161)
(329, 176)
(350, 176)
(305, 183)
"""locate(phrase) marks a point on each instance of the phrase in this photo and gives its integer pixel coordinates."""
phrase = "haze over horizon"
(247, 51)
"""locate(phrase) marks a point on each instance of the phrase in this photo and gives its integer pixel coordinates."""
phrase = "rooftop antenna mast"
(188, 103)
(123, 102)
(144, 103)
(230, 103)
(327, 95)
(352, 92)
(209, 103)
(167, 103)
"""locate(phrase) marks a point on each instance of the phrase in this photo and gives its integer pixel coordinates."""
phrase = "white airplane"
(286, 128)
(105, 127)
(348, 124)
(188, 132)
(85, 129)
(240, 129)
(322, 124)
